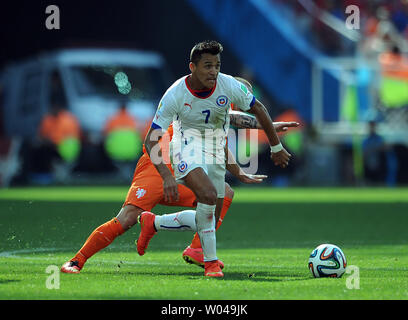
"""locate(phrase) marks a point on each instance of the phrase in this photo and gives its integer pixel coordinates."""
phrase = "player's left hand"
(281, 158)
(283, 126)
(252, 178)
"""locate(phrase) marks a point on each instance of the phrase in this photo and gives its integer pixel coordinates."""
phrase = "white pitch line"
(12, 253)
(16, 254)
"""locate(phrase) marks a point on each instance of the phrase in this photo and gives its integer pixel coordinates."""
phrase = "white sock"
(206, 230)
(179, 221)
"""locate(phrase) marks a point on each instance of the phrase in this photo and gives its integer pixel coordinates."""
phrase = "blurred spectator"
(383, 23)
(122, 138)
(374, 156)
(52, 154)
(394, 64)
(60, 129)
(121, 120)
(381, 35)
(394, 70)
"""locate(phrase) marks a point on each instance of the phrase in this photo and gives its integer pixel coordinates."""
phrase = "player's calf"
(128, 216)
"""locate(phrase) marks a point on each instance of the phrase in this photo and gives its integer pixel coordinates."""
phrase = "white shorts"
(186, 160)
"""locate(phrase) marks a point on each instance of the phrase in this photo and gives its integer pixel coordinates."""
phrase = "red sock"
(225, 206)
(100, 238)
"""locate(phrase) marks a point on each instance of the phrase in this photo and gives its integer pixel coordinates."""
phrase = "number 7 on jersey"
(207, 116)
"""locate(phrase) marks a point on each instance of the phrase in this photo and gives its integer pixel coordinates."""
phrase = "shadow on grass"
(265, 276)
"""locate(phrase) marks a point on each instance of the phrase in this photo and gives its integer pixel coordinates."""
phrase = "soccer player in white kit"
(198, 105)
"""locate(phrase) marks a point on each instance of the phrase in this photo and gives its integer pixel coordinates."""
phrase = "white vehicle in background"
(91, 83)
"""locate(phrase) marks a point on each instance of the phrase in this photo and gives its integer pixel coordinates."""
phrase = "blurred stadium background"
(347, 87)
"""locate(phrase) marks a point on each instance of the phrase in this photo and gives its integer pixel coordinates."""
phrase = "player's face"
(206, 70)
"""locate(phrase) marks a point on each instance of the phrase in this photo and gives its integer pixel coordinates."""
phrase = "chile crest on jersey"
(222, 101)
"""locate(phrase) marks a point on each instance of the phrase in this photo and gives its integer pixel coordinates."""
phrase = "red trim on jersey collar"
(195, 92)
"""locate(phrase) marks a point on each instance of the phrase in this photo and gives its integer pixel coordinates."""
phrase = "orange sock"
(196, 240)
(100, 238)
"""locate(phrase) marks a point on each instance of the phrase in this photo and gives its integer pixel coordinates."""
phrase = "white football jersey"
(201, 118)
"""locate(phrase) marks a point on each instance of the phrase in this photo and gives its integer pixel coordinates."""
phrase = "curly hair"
(207, 46)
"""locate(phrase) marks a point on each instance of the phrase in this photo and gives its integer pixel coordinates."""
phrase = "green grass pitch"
(265, 241)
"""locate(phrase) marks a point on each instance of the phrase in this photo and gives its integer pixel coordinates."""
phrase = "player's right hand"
(281, 158)
(170, 189)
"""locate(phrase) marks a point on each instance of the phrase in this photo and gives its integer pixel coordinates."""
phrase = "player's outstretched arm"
(243, 120)
(279, 155)
(153, 149)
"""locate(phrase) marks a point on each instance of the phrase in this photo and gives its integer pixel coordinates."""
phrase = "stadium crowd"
(383, 24)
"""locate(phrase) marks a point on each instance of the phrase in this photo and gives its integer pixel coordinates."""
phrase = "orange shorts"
(146, 190)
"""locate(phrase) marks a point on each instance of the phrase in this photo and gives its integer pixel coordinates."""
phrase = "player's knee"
(208, 196)
(229, 192)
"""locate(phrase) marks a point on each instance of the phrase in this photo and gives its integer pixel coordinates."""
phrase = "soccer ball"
(327, 260)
